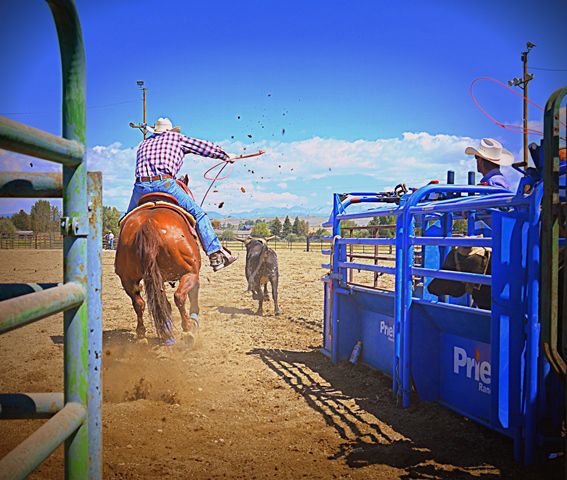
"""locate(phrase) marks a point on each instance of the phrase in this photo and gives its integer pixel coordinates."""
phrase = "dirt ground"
(254, 399)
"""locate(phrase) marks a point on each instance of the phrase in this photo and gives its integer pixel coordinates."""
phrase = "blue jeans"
(209, 240)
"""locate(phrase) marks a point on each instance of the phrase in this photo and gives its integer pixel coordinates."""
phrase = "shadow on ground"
(357, 402)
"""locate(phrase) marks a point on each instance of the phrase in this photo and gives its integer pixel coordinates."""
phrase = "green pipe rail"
(74, 415)
(554, 347)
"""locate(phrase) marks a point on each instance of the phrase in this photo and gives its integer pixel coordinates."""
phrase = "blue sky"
(370, 93)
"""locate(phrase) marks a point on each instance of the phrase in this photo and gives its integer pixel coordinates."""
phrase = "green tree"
(276, 227)
(228, 234)
(40, 216)
(110, 217)
(296, 226)
(287, 228)
(303, 228)
(321, 232)
(260, 230)
(292, 237)
(21, 220)
(55, 219)
(6, 226)
(460, 226)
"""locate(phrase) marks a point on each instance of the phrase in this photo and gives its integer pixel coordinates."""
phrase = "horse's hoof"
(277, 313)
(189, 339)
(142, 341)
(169, 342)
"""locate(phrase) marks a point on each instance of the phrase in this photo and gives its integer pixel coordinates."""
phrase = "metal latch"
(74, 227)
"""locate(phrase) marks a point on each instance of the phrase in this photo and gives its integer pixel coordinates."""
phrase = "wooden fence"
(34, 241)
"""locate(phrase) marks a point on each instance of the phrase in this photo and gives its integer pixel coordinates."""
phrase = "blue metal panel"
(483, 364)
(465, 375)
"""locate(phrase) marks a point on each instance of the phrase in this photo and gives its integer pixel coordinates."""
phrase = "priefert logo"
(472, 367)
(387, 329)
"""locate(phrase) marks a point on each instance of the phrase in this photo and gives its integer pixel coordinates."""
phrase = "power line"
(91, 107)
(550, 69)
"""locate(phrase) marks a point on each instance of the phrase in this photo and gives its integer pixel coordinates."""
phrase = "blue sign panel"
(465, 374)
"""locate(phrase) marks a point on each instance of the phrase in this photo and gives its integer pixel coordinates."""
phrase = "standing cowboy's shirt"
(494, 178)
(163, 154)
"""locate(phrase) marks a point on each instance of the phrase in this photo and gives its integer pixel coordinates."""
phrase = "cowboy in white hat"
(158, 160)
(490, 156)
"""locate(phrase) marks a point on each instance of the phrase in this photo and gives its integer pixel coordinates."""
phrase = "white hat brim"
(506, 158)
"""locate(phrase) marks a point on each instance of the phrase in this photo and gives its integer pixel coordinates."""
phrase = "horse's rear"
(158, 245)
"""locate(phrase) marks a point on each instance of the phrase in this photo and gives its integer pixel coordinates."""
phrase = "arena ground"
(253, 399)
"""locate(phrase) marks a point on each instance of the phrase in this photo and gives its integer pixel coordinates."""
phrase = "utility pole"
(142, 126)
(523, 84)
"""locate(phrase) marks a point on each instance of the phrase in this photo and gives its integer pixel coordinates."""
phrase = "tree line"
(43, 218)
(286, 230)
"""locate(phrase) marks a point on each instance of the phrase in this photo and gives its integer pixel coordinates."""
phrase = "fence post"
(95, 325)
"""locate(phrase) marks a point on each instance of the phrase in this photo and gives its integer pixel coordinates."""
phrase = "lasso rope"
(507, 126)
(224, 164)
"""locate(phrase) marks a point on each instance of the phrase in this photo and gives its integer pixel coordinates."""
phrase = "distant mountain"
(276, 212)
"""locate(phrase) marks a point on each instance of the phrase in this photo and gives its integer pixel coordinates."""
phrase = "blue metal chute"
(484, 364)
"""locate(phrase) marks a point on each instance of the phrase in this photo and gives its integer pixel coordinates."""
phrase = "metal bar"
(366, 241)
(30, 405)
(373, 257)
(452, 241)
(498, 200)
(21, 461)
(368, 267)
(20, 311)
(13, 290)
(20, 138)
(551, 208)
(370, 227)
(451, 275)
(369, 213)
(31, 185)
(450, 306)
(94, 248)
(75, 262)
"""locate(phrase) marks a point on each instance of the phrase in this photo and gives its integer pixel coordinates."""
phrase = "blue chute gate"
(74, 416)
(485, 363)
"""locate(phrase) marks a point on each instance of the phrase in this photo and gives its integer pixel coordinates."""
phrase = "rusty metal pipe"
(30, 405)
(31, 184)
(20, 311)
(23, 460)
(17, 137)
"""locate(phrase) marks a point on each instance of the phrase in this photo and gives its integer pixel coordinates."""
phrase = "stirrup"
(222, 258)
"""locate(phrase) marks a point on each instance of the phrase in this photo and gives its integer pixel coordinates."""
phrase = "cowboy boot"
(222, 258)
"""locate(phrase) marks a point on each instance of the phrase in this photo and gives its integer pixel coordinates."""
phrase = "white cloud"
(305, 169)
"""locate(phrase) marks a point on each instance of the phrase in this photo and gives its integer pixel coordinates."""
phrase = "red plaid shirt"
(163, 154)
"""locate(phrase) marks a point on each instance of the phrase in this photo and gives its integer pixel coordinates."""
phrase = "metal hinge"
(74, 227)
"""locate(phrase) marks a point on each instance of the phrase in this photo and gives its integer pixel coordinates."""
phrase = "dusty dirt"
(253, 399)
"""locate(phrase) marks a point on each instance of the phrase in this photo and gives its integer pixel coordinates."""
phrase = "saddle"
(164, 200)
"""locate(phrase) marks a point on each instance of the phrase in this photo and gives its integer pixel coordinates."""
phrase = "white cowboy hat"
(493, 151)
(162, 125)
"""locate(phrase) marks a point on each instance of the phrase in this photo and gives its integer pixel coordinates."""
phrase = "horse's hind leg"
(133, 290)
(188, 286)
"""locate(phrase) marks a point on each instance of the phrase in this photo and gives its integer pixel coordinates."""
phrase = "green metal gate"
(75, 414)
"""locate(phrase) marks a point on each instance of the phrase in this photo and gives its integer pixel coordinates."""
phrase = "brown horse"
(156, 245)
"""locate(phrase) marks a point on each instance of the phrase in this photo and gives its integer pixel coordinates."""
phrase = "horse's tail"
(147, 241)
